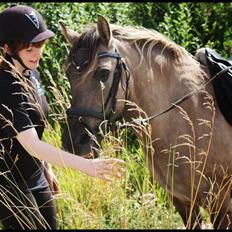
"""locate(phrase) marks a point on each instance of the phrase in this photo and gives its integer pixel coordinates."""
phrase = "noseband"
(81, 113)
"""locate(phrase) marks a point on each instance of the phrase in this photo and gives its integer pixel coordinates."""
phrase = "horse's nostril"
(84, 139)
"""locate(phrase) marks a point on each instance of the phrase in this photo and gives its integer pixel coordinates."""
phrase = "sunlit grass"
(130, 203)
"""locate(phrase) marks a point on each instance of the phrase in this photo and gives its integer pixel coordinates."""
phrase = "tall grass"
(130, 203)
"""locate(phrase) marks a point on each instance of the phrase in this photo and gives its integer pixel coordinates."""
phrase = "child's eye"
(29, 49)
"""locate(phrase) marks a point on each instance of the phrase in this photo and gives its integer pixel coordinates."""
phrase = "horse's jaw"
(85, 147)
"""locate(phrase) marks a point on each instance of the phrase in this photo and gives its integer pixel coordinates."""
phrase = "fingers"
(114, 161)
(106, 179)
(110, 168)
(56, 187)
(117, 167)
(115, 171)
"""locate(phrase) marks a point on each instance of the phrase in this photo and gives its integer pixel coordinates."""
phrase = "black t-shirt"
(22, 106)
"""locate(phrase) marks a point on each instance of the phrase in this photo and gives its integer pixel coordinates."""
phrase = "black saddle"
(222, 84)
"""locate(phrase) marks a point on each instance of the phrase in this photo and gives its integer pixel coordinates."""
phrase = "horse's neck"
(153, 89)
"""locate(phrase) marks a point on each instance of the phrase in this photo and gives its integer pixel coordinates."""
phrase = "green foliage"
(179, 19)
(130, 204)
(192, 25)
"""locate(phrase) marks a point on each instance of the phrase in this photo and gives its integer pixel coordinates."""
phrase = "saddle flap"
(222, 84)
(216, 61)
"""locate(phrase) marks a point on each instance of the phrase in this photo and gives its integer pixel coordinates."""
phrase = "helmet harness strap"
(16, 57)
(14, 54)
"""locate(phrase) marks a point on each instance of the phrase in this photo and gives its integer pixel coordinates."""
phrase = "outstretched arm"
(100, 168)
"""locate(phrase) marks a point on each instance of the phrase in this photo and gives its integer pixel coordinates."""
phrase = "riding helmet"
(23, 24)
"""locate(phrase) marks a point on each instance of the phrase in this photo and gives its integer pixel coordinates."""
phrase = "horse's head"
(98, 78)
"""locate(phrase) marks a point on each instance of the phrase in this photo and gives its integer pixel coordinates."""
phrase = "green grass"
(130, 203)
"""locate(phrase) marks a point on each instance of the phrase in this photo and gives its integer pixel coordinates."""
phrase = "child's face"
(31, 56)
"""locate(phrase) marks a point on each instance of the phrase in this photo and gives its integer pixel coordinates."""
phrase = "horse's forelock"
(89, 39)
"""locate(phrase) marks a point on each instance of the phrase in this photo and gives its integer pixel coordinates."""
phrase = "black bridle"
(81, 113)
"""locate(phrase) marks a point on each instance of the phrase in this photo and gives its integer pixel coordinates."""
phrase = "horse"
(114, 70)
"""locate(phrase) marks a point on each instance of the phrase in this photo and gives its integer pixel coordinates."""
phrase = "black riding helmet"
(22, 24)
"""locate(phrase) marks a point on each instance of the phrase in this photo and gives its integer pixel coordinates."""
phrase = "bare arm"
(101, 168)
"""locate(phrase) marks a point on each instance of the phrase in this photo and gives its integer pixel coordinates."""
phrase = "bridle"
(80, 113)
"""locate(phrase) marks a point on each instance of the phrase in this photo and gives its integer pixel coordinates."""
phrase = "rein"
(185, 97)
(188, 95)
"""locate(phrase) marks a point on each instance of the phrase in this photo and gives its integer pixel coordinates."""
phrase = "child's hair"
(16, 47)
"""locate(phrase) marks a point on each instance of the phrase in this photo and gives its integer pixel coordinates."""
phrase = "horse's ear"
(104, 31)
(70, 35)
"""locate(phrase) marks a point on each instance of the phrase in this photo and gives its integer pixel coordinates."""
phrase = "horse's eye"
(102, 74)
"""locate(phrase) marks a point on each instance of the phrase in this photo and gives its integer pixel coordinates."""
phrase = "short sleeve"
(13, 106)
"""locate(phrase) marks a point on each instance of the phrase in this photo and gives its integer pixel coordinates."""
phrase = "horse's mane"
(174, 55)
(146, 42)
(143, 39)
(149, 38)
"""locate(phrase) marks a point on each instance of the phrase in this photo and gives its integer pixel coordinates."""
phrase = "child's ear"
(7, 49)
